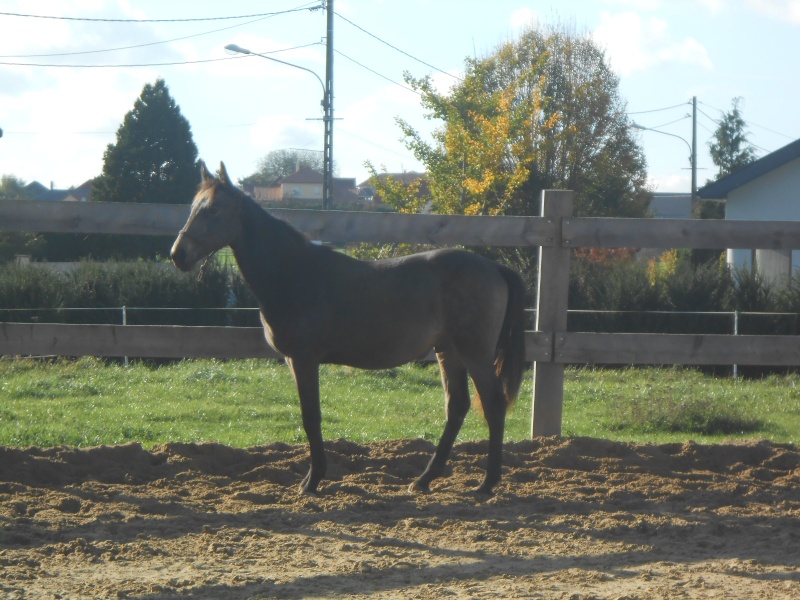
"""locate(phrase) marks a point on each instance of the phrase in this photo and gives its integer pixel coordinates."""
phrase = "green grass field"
(247, 402)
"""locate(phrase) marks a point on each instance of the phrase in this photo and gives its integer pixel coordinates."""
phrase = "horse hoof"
(419, 487)
(484, 490)
(307, 489)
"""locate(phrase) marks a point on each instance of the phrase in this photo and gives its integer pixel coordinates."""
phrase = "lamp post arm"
(240, 50)
(643, 128)
(692, 156)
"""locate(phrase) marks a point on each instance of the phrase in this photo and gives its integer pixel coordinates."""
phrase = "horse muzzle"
(183, 253)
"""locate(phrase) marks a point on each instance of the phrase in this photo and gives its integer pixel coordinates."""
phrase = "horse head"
(214, 221)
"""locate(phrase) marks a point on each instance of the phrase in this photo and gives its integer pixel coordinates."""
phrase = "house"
(767, 189)
(368, 193)
(82, 193)
(305, 186)
(669, 205)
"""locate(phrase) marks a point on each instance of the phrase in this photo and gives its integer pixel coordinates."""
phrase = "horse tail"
(510, 356)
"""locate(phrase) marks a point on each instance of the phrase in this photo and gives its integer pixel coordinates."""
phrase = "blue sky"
(58, 119)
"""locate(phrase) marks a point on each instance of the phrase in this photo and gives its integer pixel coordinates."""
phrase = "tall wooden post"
(327, 102)
(551, 315)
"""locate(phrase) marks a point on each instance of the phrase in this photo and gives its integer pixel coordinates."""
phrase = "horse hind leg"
(489, 389)
(456, 390)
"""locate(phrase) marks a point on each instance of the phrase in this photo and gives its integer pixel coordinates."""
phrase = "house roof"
(405, 177)
(37, 191)
(720, 188)
(303, 175)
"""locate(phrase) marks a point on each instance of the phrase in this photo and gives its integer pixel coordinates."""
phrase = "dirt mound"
(572, 518)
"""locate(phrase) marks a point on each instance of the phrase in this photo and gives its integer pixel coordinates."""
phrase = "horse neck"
(267, 248)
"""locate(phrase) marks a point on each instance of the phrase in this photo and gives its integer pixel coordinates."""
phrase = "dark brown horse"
(321, 306)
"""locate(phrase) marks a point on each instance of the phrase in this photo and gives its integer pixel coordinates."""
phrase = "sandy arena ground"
(573, 518)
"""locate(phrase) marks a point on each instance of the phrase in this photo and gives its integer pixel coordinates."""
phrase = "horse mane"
(250, 205)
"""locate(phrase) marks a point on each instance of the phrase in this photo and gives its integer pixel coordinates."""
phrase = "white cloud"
(635, 43)
(522, 18)
(77, 111)
(783, 10)
(638, 4)
(715, 6)
(278, 131)
(669, 183)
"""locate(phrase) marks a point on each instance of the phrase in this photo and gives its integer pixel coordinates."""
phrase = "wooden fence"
(550, 347)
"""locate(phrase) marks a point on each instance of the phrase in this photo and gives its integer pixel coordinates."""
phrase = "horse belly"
(386, 342)
(379, 354)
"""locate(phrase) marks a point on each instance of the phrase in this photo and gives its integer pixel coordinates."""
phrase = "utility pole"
(694, 151)
(327, 176)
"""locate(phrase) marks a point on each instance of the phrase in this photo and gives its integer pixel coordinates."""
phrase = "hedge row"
(637, 293)
(40, 292)
(640, 293)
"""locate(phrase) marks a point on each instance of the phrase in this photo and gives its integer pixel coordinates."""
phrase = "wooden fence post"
(551, 316)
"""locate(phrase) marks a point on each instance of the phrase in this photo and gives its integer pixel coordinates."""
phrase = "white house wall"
(774, 196)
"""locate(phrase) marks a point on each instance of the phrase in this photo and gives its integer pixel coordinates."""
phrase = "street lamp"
(240, 50)
(327, 176)
(692, 154)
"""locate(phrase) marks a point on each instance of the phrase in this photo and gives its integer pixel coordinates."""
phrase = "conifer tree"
(730, 150)
(153, 160)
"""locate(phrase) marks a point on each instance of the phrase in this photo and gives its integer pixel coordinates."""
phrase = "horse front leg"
(306, 378)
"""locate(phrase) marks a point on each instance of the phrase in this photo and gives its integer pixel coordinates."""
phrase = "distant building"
(305, 186)
(667, 205)
(368, 193)
(82, 193)
(767, 189)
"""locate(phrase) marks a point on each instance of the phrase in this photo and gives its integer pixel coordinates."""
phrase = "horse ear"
(223, 174)
(204, 174)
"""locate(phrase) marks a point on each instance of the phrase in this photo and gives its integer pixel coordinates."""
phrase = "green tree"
(13, 243)
(541, 112)
(153, 160)
(281, 163)
(13, 188)
(730, 149)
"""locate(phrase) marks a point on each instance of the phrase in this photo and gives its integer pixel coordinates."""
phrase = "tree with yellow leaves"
(541, 112)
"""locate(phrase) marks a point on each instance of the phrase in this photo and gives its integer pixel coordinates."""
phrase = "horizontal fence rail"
(143, 341)
(325, 226)
(594, 232)
(345, 227)
(168, 341)
(676, 349)
(175, 341)
(556, 232)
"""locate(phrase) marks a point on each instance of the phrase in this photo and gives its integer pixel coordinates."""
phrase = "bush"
(110, 285)
(622, 287)
(672, 283)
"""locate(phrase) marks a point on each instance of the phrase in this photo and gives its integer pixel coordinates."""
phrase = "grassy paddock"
(247, 402)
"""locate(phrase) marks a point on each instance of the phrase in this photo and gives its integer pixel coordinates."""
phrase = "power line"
(709, 117)
(164, 64)
(642, 112)
(374, 72)
(395, 48)
(718, 123)
(753, 124)
(59, 54)
(683, 118)
(185, 20)
(120, 66)
(788, 137)
(371, 143)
